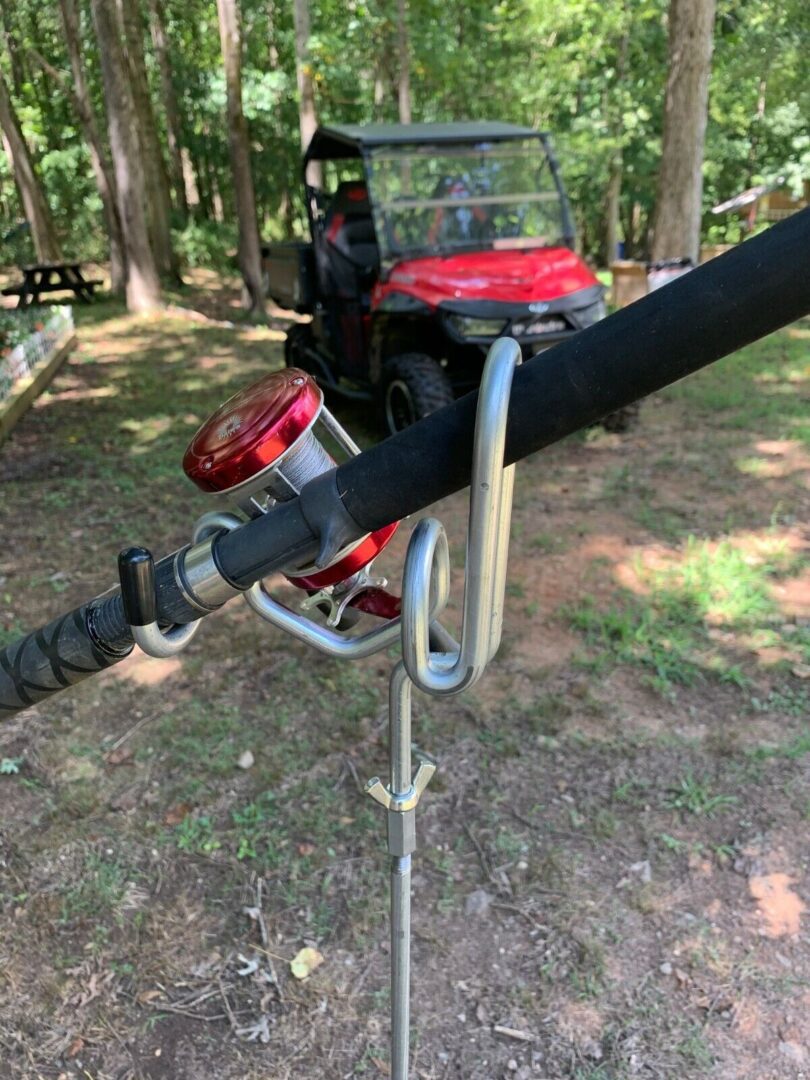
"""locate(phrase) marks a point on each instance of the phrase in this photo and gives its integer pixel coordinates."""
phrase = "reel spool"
(263, 446)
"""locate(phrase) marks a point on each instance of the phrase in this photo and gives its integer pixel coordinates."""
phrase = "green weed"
(696, 797)
(196, 835)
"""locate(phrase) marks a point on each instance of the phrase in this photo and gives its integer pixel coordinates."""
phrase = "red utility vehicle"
(428, 242)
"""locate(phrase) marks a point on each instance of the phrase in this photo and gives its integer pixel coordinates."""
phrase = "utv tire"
(299, 338)
(623, 420)
(412, 386)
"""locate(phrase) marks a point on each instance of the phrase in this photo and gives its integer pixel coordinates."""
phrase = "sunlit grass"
(705, 612)
(763, 388)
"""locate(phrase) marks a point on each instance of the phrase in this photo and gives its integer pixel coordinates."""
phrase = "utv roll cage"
(341, 142)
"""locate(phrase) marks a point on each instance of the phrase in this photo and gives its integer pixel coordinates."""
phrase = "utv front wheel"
(413, 386)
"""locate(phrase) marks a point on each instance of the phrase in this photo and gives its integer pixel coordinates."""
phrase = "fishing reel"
(263, 446)
(260, 448)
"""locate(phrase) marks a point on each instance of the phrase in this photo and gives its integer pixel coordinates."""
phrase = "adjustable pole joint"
(401, 809)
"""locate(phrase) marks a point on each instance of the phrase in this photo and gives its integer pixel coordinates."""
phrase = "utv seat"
(353, 255)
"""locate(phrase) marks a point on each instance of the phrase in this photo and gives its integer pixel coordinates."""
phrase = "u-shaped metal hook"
(487, 549)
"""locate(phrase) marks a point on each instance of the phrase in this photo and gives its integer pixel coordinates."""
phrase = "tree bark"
(404, 73)
(616, 169)
(143, 282)
(32, 196)
(17, 73)
(239, 148)
(158, 205)
(612, 204)
(307, 114)
(173, 126)
(680, 180)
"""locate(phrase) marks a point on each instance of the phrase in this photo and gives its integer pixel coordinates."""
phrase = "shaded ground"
(613, 861)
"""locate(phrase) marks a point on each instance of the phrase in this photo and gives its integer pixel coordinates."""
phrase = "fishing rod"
(327, 514)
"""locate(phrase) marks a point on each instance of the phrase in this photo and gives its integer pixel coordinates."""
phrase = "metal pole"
(435, 663)
(399, 738)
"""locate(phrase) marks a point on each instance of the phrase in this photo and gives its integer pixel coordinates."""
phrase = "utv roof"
(351, 140)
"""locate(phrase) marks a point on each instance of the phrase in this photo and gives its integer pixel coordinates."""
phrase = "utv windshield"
(430, 199)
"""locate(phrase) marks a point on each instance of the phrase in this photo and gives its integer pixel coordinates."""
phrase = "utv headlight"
(591, 314)
(472, 327)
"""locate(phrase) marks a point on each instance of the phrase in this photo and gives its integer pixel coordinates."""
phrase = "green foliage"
(207, 243)
(254, 828)
(16, 326)
(196, 835)
(590, 71)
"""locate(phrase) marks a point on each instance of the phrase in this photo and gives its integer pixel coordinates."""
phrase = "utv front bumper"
(535, 325)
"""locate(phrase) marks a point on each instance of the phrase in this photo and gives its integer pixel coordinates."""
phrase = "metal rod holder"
(432, 660)
(453, 668)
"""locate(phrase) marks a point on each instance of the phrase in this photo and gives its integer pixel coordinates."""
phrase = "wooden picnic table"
(52, 277)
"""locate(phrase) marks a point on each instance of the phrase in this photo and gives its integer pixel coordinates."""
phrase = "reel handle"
(136, 571)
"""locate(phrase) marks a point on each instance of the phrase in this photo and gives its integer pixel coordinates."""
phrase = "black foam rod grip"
(136, 570)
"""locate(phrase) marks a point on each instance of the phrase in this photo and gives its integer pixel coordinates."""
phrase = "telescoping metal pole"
(704, 315)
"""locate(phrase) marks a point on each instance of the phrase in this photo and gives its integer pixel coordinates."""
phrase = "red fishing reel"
(263, 446)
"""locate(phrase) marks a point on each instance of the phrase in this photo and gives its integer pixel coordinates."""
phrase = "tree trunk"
(158, 205)
(250, 261)
(32, 196)
(307, 116)
(680, 180)
(173, 127)
(79, 95)
(192, 195)
(616, 168)
(404, 74)
(17, 73)
(612, 203)
(143, 283)
(272, 34)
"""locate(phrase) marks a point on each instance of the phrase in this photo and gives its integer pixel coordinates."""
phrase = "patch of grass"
(669, 524)
(547, 714)
(784, 700)
(255, 829)
(204, 737)
(546, 542)
(632, 791)
(694, 1049)
(96, 891)
(796, 748)
(762, 388)
(694, 796)
(196, 835)
(604, 824)
(697, 609)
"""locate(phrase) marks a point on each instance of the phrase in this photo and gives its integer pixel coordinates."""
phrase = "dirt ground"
(612, 874)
